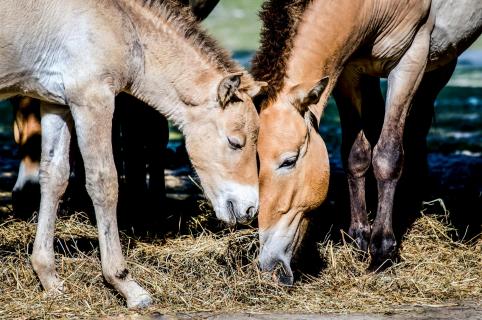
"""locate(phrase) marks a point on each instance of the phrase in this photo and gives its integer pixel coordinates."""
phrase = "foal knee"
(359, 158)
(102, 186)
(54, 176)
(388, 160)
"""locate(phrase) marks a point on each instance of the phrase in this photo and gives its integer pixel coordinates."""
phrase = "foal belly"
(44, 83)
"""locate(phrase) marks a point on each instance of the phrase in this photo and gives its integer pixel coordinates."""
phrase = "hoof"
(360, 236)
(54, 289)
(383, 249)
(139, 302)
(54, 286)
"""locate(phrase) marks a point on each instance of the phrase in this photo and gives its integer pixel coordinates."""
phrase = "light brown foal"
(76, 56)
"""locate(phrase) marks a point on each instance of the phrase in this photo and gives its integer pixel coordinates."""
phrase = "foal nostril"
(242, 214)
(251, 212)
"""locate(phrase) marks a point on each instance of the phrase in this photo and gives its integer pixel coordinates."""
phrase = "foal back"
(62, 41)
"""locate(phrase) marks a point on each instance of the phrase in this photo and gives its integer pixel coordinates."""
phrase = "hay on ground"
(217, 272)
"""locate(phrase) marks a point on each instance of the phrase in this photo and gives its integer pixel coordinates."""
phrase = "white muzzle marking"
(235, 203)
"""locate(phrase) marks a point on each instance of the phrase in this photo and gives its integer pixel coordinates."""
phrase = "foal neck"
(181, 66)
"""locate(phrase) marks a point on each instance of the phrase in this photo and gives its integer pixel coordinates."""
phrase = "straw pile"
(217, 272)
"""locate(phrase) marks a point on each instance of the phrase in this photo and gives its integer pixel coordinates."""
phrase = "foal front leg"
(93, 122)
(403, 82)
(54, 176)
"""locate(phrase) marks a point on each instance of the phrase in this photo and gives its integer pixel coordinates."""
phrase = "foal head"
(222, 147)
(196, 83)
(294, 173)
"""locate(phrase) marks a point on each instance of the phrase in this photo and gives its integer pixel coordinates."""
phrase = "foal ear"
(255, 88)
(228, 87)
(313, 96)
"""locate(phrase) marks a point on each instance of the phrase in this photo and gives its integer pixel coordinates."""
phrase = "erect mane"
(173, 12)
(280, 21)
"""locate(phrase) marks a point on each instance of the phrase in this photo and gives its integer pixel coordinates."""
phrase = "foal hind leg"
(54, 175)
(403, 82)
(92, 113)
(352, 101)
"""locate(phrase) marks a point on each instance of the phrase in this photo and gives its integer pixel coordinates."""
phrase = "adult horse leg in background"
(54, 176)
(357, 96)
(27, 133)
(94, 129)
(387, 160)
(414, 182)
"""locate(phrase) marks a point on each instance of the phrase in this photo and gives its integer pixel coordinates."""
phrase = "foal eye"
(289, 163)
(234, 143)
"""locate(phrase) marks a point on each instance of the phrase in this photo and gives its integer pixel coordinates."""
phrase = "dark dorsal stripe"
(280, 20)
(172, 11)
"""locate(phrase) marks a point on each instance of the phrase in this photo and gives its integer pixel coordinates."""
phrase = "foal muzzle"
(236, 203)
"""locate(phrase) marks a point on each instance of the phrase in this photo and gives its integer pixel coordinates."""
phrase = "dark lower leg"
(387, 167)
(358, 163)
(383, 243)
